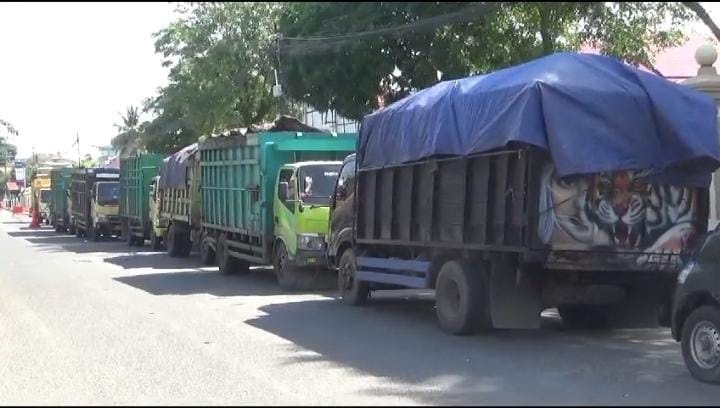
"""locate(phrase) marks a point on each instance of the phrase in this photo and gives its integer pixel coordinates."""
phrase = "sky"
(71, 68)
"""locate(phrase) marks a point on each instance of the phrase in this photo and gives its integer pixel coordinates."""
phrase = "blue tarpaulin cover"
(173, 171)
(591, 113)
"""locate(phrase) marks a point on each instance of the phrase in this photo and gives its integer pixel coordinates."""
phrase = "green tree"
(221, 72)
(352, 56)
(128, 130)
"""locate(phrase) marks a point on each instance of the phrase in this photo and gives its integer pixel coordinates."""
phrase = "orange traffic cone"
(35, 223)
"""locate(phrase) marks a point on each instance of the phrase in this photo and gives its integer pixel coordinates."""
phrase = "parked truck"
(95, 198)
(136, 175)
(178, 201)
(60, 180)
(585, 197)
(41, 194)
(265, 200)
(254, 198)
(158, 229)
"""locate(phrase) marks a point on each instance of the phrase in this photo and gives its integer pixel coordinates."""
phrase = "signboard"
(20, 173)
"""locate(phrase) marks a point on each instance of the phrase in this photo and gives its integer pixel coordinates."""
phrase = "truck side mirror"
(283, 190)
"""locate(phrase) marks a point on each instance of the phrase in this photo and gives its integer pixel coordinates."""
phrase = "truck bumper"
(310, 259)
(109, 228)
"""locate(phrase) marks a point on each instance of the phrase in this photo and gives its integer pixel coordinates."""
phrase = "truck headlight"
(682, 276)
(310, 241)
(102, 218)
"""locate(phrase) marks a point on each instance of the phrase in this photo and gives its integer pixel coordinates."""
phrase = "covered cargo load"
(621, 163)
(136, 175)
(590, 113)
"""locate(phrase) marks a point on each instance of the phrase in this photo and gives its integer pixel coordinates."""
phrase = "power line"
(307, 45)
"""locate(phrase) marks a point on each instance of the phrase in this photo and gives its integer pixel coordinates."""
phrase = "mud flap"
(514, 302)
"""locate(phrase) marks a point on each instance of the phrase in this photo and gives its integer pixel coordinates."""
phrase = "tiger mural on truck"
(616, 211)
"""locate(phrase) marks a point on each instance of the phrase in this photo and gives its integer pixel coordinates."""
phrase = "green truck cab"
(301, 207)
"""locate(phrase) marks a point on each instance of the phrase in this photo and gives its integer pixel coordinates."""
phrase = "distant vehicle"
(158, 224)
(696, 310)
(95, 198)
(41, 195)
(136, 175)
(59, 203)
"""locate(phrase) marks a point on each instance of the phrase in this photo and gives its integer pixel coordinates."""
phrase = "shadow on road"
(398, 338)
(155, 260)
(17, 221)
(33, 233)
(70, 243)
(260, 282)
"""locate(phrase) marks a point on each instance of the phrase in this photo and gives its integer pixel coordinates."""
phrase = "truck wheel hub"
(705, 343)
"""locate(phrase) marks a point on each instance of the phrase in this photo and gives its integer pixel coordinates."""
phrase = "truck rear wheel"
(227, 264)
(184, 242)
(129, 238)
(461, 299)
(173, 246)
(352, 292)
(92, 234)
(701, 343)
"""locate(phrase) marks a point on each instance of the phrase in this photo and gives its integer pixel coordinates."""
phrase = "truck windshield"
(44, 196)
(317, 183)
(108, 193)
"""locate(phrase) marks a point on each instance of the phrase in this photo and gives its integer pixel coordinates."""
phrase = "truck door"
(285, 209)
(342, 207)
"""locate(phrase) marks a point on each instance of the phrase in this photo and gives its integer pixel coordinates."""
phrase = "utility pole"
(77, 143)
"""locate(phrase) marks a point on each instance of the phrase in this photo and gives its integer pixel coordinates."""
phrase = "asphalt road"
(104, 323)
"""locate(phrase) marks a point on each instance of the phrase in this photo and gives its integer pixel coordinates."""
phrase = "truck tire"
(92, 234)
(207, 254)
(129, 238)
(461, 299)
(351, 291)
(285, 271)
(584, 316)
(185, 242)
(155, 240)
(227, 264)
(72, 230)
(701, 343)
(173, 246)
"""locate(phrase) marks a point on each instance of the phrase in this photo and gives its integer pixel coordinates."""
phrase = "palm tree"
(128, 131)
